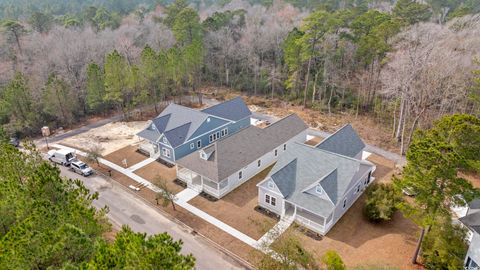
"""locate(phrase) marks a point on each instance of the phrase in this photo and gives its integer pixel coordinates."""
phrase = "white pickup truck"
(61, 156)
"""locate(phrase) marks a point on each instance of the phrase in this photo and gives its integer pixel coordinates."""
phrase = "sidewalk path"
(181, 201)
(141, 164)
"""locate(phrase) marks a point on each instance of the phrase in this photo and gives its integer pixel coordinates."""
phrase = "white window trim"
(276, 152)
(192, 145)
(284, 147)
(164, 139)
(344, 203)
(270, 184)
(267, 198)
(199, 144)
(166, 152)
(318, 189)
(240, 175)
(273, 201)
(259, 163)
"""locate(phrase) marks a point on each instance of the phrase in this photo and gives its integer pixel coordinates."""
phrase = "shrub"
(333, 261)
(381, 202)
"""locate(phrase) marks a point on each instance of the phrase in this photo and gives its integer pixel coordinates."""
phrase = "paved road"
(126, 208)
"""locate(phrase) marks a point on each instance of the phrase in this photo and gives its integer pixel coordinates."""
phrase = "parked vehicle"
(81, 168)
(62, 156)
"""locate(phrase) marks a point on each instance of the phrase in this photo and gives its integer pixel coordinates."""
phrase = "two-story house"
(179, 130)
(229, 162)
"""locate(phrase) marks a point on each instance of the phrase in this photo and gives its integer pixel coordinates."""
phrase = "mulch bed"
(267, 212)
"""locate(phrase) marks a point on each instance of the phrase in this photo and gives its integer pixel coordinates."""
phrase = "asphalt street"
(126, 208)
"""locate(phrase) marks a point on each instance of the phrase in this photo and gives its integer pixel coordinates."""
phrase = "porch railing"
(309, 224)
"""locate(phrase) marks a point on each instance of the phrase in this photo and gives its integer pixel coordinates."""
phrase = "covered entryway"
(192, 179)
(289, 209)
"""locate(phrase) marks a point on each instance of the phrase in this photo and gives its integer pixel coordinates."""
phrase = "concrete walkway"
(141, 164)
(182, 200)
(186, 195)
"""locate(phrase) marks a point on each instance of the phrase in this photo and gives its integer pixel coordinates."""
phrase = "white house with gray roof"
(317, 185)
(179, 130)
(471, 220)
(229, 162)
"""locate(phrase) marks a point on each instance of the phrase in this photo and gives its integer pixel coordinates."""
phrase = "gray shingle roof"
(285, 178)
(180, 123)
(244, 147)
(149, 134)
(234, 109)
(344, 141)
(334, 172)
(472, 221)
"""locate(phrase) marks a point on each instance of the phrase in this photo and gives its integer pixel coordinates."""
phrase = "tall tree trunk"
(330, 100)
(414, 126)
(400, 118)
(314, 87)
(402, 140)
(307, 77)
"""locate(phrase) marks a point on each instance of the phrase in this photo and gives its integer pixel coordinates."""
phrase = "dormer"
(207, 152)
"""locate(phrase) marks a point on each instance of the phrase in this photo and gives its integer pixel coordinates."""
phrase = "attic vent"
(203, 155)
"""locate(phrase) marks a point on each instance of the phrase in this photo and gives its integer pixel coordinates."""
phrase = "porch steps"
(268, 238)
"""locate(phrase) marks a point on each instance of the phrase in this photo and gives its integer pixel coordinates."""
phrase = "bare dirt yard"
(372, 130)
(109, 137)
(128, 153)
(217, 236)
(155, 170)
(237, 208)
(358, 241)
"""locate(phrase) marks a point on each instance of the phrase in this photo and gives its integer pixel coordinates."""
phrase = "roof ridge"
(333, 153)
(190, 109)
(284, 118)
(336, 131)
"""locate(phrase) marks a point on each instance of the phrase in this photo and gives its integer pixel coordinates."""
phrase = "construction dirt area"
(108, 138)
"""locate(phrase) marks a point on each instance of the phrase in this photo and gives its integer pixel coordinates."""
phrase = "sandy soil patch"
(472, 177)
(157, 169)
(385, 168)
(128, 154)
(359, 241)
(237, 208)
(109, 137)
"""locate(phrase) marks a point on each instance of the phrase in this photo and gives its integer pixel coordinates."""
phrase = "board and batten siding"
(267, 159)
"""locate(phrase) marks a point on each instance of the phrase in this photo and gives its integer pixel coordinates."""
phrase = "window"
(284, 147)
(164, 139)
(276, 152)
(344, 203)
(214, 136)
(192, 145)
(358, 189)
(319, 189)
(203, 155)
(166, 152)
(270, 200)
(270, 185)
(259, 162)
(226, 131)
(218, 135)
(240, 175)
(223, 132)
(199, 143)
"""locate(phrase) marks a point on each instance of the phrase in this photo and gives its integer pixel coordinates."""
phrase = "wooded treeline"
(405, 63)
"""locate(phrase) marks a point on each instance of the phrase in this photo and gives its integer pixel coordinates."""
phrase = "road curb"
(190, 230)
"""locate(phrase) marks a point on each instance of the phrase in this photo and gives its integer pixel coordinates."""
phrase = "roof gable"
(330, 186)
(472, 221)
(285, 178)
(344, 141)
(234, 109)
(160, 123)
(178, 135)
(209, 124)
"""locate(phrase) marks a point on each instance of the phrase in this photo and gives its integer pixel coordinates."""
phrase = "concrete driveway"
(127, 209)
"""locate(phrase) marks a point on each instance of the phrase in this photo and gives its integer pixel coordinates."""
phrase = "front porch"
(308, 219)
(201, 183)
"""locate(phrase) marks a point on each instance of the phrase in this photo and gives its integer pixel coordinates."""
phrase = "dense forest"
(404, 62)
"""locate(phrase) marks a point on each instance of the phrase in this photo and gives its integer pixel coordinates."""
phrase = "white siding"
(266, 160)
(351, 196)
(278, 208)
(474, 249)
